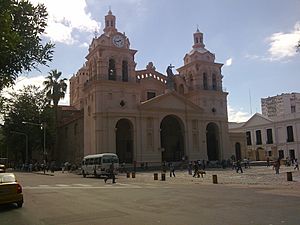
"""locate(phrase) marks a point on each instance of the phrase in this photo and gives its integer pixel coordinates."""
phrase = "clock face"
(118, 40)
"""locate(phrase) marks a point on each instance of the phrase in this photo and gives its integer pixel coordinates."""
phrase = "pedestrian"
(268, 162)
(196, 169)
(277, 166)
(111, 174)
(239, 166)
(172, 169)
(296, 164)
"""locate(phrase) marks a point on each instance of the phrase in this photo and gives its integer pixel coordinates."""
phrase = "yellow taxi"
(10, 190)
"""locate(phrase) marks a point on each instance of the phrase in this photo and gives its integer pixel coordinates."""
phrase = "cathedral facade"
(144, 115)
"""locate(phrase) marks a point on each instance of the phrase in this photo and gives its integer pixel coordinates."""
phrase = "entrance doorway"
(238, 153)
(171, 136)
(124, 141)
(212, 140)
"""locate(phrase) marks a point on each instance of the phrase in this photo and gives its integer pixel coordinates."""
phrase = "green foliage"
(28, 105)
(55, 88)
(21, 48)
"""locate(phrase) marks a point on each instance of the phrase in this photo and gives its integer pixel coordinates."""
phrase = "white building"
(279, 105)
(276, 137)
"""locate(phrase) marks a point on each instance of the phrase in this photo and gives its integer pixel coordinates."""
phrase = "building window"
(150, 95)
(269, 136)
(125, 71)
(214, 82)
(293, 109)
(292, 153)
(205, 85)
(248, 136)
(111, 69)
(269, 153)
(181, 89)
(290, 134)
(281, 154)
(258, 137)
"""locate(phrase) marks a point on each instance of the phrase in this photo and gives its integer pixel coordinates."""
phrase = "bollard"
(163, 176)
(289, 176)
(155, 176)
(133, 175)
(128, 175)
(215, 179)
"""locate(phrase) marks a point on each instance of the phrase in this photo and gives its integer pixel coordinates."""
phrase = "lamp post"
(26, 137)
(43, 126)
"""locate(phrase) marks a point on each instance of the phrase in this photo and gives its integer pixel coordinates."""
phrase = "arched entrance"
(212, 140)
(171, 137)
(238, 153)
(124, 141)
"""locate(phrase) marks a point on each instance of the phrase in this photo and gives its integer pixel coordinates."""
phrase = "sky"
(255, 40)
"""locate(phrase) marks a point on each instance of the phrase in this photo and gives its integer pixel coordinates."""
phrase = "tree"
(55, 88)
(21, 48)
(30, 105)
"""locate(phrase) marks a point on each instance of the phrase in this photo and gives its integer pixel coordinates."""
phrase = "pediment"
(256, 120)
(171, 101)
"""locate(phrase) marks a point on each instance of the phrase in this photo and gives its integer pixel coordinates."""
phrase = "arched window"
(111, 69)
(125, 71)
(181, 89)
(205, 85)
(214, 82)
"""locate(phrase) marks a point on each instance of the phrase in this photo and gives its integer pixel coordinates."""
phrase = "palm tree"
(55, 88)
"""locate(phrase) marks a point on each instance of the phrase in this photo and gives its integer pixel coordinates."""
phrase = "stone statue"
(170, 77)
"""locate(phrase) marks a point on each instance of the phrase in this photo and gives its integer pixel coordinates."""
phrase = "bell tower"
(198, 39)
(110, 23)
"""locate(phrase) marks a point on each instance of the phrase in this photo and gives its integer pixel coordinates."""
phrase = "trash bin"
(128, 175)
(215, 179)
(133, 175)
(289, 176)
(163, 176)
(155, 176)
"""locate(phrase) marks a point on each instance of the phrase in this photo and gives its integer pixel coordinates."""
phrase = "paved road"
(68, 199)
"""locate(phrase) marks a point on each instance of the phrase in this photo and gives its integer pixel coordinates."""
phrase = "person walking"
(296, 164)
(277, 166)
(196, 169)
(111, 174)
(239, 166)
(172, 170)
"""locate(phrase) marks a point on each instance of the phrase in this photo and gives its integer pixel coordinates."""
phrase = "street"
(69, 199)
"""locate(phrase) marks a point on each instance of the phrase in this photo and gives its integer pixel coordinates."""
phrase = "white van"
(98, 164)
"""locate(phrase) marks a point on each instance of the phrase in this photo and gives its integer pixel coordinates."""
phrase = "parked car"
(2, 168)
(10, 190)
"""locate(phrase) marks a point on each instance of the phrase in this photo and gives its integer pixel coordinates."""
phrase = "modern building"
(144, 115)
(279, 105)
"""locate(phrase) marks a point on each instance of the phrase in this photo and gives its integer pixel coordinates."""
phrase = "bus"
(98, 164)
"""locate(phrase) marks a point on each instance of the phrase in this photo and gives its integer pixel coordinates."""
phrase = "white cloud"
(66, 17)
(228, 62)
(36, 81)
(237, 115)
(282, 45)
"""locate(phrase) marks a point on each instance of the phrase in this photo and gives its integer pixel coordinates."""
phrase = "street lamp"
(26, 136)
(43, 126)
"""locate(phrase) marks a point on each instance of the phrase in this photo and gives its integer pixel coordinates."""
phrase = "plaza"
(257, 196)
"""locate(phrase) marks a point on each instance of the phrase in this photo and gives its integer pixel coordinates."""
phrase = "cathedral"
(145, 115)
